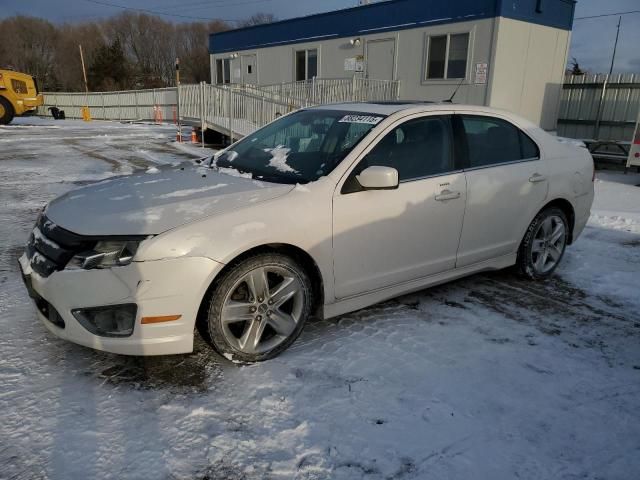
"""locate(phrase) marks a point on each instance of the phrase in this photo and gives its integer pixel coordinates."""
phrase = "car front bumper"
(158, 288)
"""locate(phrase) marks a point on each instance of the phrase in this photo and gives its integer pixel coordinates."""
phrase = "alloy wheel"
(262, 309)
(548, 244)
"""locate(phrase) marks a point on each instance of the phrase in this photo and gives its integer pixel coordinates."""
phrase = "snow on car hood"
(153, 203)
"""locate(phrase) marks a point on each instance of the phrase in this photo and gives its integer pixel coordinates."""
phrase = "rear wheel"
(6, 111)
(544, 244)
(258, 308)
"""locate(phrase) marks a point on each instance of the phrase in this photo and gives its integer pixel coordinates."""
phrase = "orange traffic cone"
(194, 136)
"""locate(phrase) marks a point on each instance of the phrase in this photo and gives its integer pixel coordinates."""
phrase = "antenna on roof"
(450, 99)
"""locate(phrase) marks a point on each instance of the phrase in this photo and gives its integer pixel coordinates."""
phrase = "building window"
(223, 71)
(306, 64)
(447, 56)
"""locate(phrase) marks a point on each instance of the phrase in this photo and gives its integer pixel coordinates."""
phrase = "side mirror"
(378, 178)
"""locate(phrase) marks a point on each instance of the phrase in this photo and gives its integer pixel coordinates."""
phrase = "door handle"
(447, 195)
(536, 177)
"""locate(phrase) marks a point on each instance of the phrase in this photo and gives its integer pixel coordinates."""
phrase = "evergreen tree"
(110, 69)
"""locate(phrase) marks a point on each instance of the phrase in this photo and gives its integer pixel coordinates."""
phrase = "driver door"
(386, 237)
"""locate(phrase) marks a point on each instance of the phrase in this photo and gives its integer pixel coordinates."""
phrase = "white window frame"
(306, 62)
(448, 34)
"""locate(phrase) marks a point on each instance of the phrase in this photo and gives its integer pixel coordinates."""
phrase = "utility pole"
(615, 46)
(596, 128)
(86, 115)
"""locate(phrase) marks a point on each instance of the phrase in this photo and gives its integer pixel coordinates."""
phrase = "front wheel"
(6, 111)
(544, 244)
(258, 308)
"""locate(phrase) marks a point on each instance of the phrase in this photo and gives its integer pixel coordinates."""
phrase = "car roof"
(416, 106)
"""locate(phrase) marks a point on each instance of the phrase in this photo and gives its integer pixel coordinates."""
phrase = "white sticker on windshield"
(368, 119)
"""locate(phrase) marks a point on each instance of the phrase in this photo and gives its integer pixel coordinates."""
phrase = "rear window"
(493, 141)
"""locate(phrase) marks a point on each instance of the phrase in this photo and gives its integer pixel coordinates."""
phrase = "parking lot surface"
(487, 377)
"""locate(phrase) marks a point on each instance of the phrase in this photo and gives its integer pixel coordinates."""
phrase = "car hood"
(156, 202)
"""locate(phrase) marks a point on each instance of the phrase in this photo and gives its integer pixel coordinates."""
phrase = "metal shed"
(507, 54)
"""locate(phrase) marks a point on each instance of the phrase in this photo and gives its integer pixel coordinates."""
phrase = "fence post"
(353, 87)
(202, 113)
(230, 109)
(262, 114)
(135, 96)
(313, 89)
(104, 111)
(155, 104)
(119, 106)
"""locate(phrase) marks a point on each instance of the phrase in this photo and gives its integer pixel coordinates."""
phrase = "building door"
(249, 69)
(381, 59)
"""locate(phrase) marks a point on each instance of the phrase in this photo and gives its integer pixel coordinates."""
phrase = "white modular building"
(508, 54)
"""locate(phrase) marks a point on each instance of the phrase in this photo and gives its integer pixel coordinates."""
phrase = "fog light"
(108, 321)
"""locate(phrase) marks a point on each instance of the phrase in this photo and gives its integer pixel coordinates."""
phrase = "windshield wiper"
(274, 179)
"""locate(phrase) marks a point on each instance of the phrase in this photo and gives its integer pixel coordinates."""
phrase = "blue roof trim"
(552, 13)
(391, 15)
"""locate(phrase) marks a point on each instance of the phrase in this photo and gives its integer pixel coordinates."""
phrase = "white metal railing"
(329, 90)
(235, 110)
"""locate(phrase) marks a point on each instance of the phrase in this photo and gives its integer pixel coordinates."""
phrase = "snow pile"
(617, 203)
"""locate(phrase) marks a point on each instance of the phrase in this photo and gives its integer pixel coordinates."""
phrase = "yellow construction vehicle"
(18, 95)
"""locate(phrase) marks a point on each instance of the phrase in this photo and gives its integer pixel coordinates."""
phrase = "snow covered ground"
(489, 377)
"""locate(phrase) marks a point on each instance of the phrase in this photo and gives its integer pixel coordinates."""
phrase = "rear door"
(506, 187)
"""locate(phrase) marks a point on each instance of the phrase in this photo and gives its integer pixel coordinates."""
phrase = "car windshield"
(301, 147)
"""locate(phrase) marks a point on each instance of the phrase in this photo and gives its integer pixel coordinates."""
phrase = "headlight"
(106, 254)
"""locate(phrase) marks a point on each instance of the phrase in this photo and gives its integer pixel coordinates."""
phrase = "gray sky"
(592, 40)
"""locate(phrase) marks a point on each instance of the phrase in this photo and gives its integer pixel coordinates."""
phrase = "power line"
(211, 3)
(155, 12)
(608, 15)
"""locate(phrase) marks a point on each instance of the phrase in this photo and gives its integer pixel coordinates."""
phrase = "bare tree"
(147, 47)
(68, 70)
(29, 46)
(259, 18)
(193, 49)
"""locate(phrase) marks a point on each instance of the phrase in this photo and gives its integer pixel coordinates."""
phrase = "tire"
(543, 245)
(6, 111)
(247, 322)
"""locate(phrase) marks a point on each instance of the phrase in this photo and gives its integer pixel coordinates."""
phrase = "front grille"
(50, 247)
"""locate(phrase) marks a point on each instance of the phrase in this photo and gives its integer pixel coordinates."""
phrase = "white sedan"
(324, 211)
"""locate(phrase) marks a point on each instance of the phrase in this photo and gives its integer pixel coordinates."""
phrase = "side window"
(492, 141)
(417, 148)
